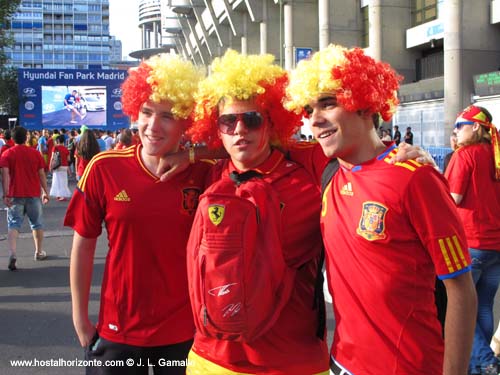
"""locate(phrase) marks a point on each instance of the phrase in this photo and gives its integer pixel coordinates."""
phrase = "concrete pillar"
(453, 64)
(375, 33)
(244, 37)
(288, 31)
(143, 30)
(324, 24)
(263, 29)
(155, 34)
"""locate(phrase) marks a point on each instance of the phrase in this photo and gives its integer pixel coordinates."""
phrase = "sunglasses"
(227, 123)
(459, 125)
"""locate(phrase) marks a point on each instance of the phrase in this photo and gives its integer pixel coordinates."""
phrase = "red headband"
(475, 114)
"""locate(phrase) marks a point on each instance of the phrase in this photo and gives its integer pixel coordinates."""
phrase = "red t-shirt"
(291, 346)
(388, 230)
(471, 174)
(24, 165)
(144, 295)
(63, 151)
(50, 145)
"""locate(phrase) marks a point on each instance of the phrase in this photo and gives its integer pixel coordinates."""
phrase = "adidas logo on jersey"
(347, 189)
(122, 197)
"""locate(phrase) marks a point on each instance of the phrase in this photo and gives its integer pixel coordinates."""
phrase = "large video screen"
(53, 98)
(64, 106)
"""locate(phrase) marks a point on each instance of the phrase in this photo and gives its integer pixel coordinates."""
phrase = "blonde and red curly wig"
(243, 77)
(359, 82)
(162, 77)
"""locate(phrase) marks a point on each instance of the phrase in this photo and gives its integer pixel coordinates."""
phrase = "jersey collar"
(269, 165)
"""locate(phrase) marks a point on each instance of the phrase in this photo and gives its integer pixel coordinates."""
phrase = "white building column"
(375, 33)
(324, 23)
(155, 34)
(453, 65)
(244, 37)
(144, 36)
(288, 31)
(263, 29)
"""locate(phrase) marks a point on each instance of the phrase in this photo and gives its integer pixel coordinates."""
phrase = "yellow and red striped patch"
(452, 253)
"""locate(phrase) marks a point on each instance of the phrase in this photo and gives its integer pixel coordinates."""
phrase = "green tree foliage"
(8, 77)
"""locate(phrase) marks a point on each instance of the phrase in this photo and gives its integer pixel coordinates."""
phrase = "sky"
(123, 24)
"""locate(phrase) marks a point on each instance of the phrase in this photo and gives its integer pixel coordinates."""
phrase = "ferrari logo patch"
(216, 213)
(372, 222)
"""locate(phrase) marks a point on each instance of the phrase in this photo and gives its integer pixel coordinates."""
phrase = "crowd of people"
(46, 141)
(56, 153)
(383, 221)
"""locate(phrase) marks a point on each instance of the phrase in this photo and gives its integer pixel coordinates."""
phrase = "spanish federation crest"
(372, 222)
(216, 213)
(191, 197)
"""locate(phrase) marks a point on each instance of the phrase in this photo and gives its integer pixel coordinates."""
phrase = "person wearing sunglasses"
(388, 229)
(145, 315)
(239, 106)
(474, 178)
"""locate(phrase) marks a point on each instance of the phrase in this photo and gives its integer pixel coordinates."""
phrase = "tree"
(9, 101)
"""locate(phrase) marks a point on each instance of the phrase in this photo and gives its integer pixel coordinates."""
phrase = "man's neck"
(363, 153)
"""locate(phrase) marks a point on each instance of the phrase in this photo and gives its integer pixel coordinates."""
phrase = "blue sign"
(302, 53)
(69, 98)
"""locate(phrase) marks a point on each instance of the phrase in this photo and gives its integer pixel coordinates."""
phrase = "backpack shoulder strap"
(331, 168)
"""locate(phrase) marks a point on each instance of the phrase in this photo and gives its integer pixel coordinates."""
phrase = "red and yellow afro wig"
(162, 77)
(243, 77)
(359, 82)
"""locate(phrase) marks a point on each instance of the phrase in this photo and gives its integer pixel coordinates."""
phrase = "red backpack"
(239, 281)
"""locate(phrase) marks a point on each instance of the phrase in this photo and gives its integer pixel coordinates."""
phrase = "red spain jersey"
(388, 230)
(471, 173)
(291, 346)
(144, 295)
(24, 164)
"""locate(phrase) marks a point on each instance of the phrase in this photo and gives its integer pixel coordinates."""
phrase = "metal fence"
(438, 153)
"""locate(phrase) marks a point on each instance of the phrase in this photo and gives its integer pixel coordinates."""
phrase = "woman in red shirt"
(59, 187)
(474, 178)
(86, 149)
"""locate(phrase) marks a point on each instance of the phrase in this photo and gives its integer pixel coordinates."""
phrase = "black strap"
(319, 297)
(331, 168)
(239, 178)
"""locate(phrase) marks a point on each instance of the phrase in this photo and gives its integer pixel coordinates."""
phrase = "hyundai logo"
(117, 91)
(29, 91)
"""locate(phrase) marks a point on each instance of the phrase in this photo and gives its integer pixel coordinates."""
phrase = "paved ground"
(35, 304)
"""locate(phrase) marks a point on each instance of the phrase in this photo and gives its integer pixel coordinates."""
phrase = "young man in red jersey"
(23, 177)
(388, 229)
(145, 316)
(240, 107)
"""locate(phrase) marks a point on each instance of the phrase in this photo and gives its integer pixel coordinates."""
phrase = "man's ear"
(476, 126)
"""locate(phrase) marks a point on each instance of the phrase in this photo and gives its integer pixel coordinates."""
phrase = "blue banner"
(70, 98)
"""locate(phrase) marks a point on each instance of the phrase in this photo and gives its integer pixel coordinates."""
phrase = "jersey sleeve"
(434, 216)
(310, 156)
(85, 212)
(458, 172)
